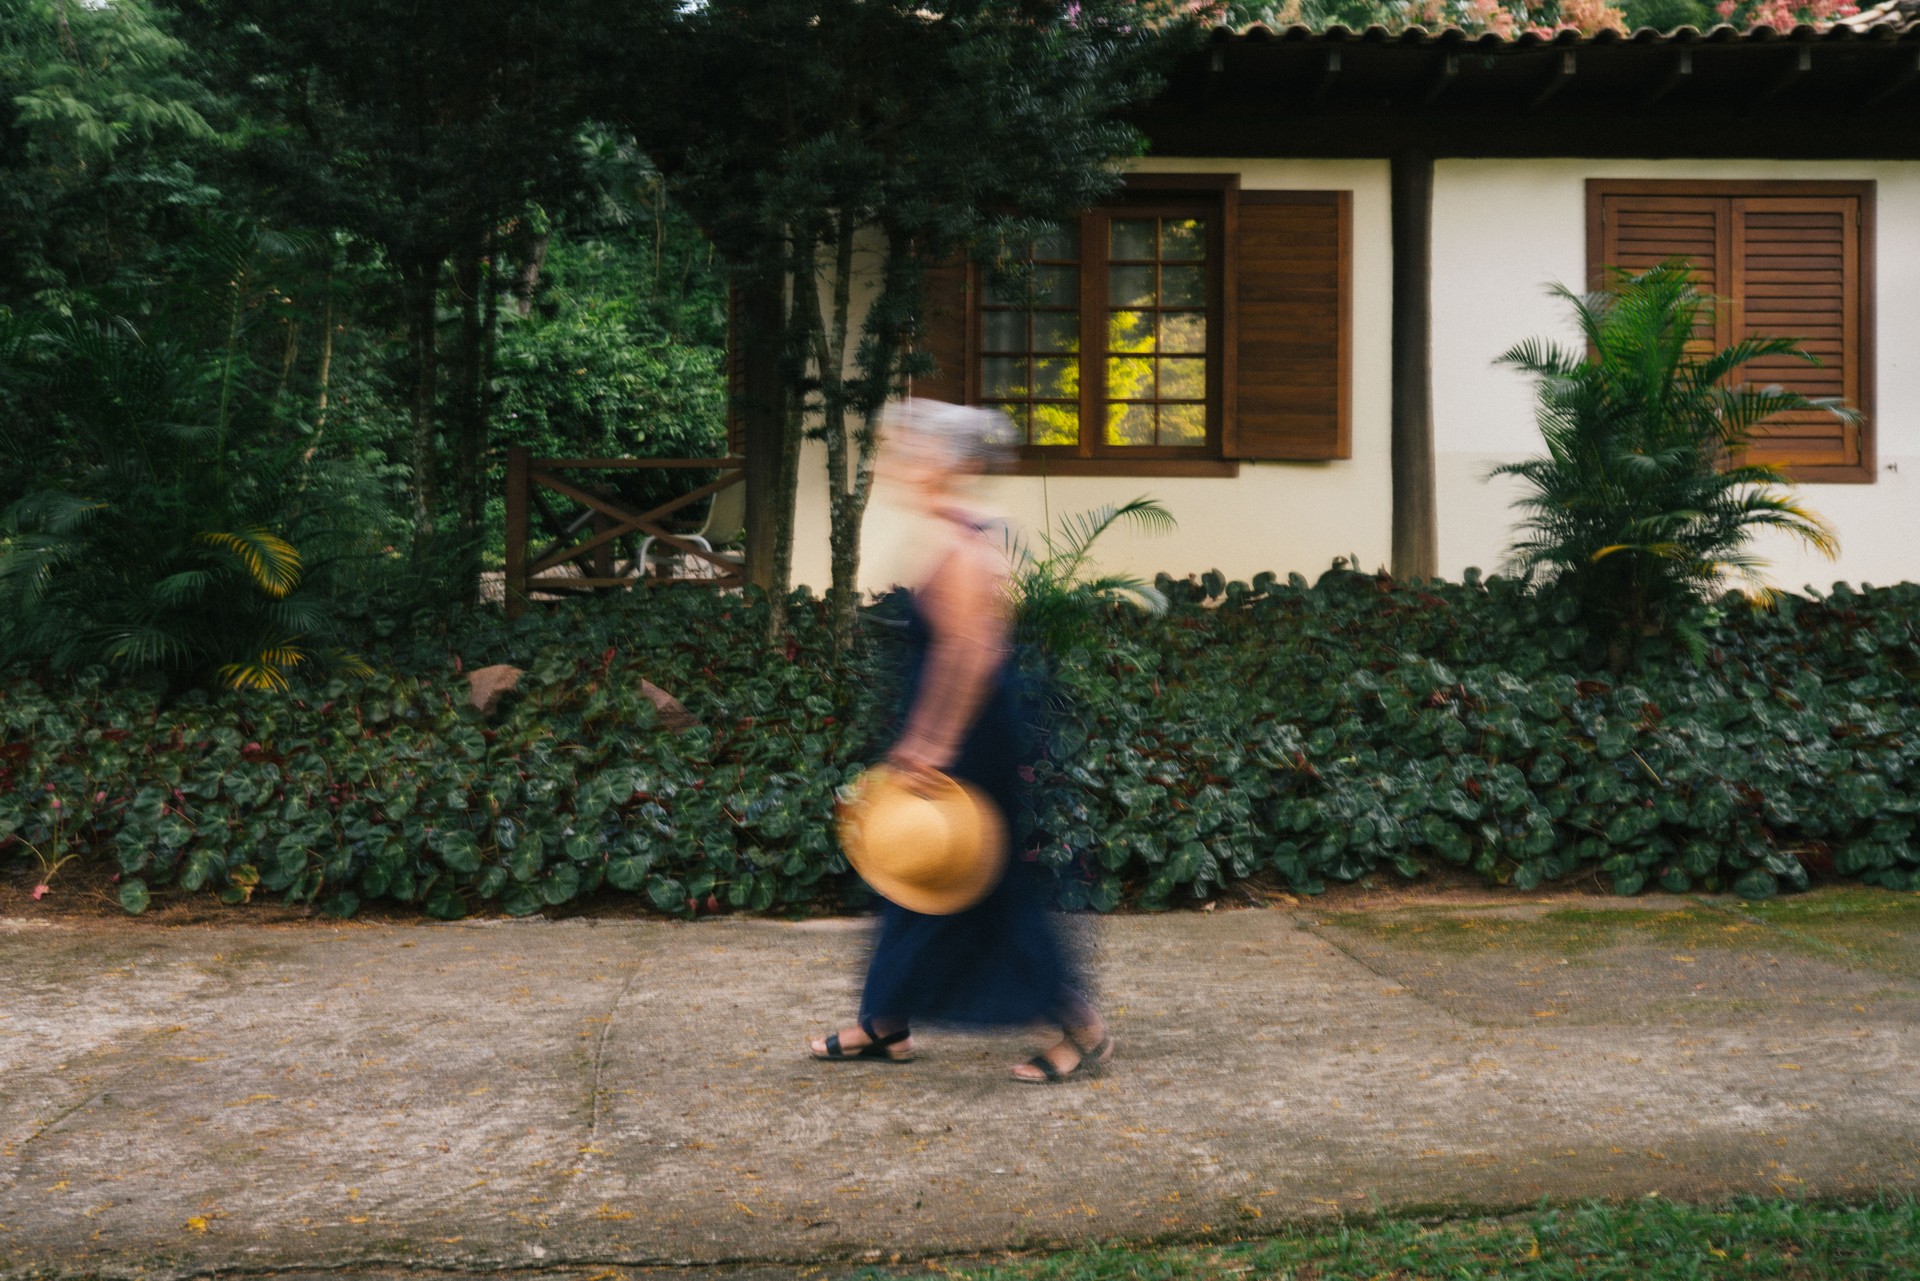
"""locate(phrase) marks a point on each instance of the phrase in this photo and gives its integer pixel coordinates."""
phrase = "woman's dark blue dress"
(1000, 962)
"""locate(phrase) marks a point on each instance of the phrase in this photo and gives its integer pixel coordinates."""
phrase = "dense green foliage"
(1634, 512)
(1652, 1239)
(878, 138)
(304, 279)
(1308, 732)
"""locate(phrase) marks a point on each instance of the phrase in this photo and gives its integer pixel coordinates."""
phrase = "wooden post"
(1416, 550)
(518, 500)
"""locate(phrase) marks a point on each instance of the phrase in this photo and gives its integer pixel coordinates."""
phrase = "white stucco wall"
(1277, 516)
(1506, 229)
(1503, 231)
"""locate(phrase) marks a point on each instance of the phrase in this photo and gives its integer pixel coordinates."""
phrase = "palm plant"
(1640, 508)
(135, 547)
(1055, 605)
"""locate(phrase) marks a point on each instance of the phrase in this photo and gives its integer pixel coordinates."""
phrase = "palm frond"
(271, 561)
(1634, 508)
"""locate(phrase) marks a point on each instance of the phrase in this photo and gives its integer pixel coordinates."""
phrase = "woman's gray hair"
(957, 437)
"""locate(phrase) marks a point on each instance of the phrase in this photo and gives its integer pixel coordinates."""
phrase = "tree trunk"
(761, 412)
(1416, 552)
(830, 354)
(467, 422)
(792, 355)
(422, 288)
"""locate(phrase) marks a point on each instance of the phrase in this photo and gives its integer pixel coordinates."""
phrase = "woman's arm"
(966, 613)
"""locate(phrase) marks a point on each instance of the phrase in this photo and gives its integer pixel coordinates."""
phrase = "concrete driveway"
(503, 1095)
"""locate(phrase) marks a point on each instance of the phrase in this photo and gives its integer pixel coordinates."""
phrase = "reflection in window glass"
(1056, 331)
(1030, 337)
(1004, 331)
(1156, 306)
(1141, 362)
(1129, 378)
(1056, 424)
(1130, 331)
(1003, 376)
(1183, 424)
(1184, 331)
(1130, 425)
(1184, 379)
(1183, 287)
(1133, 238)
(1130, 287)
(1183, 240)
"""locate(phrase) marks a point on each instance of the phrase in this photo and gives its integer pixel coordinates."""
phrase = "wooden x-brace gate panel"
(527, 477)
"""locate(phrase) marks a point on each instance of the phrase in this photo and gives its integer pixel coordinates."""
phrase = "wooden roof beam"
(1328, 74)
(1791, 73)
(1562, 76)
(1443, 77)
(1901, 80)
(1681, 73)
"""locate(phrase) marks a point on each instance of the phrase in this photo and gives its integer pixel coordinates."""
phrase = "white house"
(1285, 326)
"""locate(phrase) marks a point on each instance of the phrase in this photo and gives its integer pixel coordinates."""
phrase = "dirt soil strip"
(509, 1096)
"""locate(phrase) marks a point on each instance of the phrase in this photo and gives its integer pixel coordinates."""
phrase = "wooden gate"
(581, 526)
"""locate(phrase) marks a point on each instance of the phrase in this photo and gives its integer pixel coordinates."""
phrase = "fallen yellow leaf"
(196, 1224)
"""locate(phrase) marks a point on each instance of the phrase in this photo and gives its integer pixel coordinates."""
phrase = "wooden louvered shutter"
(1798, 274)
(1289, 327)
(1785, 259)
(1641, 232)
(945, 334)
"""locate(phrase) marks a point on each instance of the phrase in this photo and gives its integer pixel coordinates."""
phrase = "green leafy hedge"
(1327, 731)
(1319, 732)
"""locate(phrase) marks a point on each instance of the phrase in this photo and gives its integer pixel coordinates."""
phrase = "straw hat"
(936, 850)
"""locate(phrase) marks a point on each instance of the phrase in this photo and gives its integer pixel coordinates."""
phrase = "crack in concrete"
(1307, 923)
(20, 1164)
(590, 1156)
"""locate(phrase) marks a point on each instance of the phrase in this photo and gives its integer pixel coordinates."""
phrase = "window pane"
(1183, 424)
(1183, 287)
(1005, 289)
(1183, 379)
(1130, 424)
(1130, 331)
(1017, 415)
(1056, 286)
(1056, 379)
(1056, 424)
(1056, 331)
(1004, 331)
(1183, 240)
(1183, 331)
(1002, 376)
(1129, 378)
(1130, 286)
(1133, 238)
(1062, 241)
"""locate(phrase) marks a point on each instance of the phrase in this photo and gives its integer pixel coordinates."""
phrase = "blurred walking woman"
(1001, 961)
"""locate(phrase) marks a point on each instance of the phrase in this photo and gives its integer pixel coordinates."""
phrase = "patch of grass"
(1565, 932)
(1879, 927)
(1649, 1240)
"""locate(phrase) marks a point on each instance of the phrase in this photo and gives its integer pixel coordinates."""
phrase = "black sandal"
(1093, 1061)
(877, 1046)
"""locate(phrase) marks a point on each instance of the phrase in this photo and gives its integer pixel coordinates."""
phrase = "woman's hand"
(921, 773)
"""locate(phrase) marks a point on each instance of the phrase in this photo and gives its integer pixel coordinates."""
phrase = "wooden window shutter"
(946, 332)
(1638, 233)
(1798, 275)
(1791, 259)
(1289, 340)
